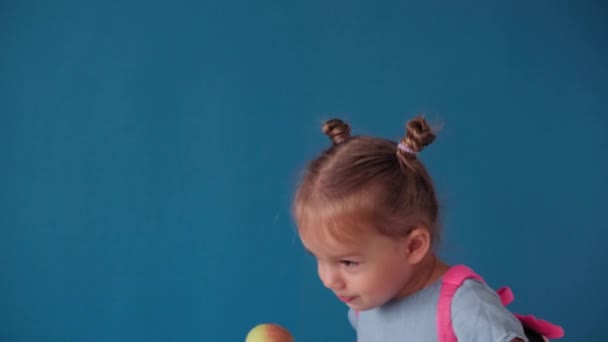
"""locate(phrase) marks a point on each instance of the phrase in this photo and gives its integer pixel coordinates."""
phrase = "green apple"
(269, 332)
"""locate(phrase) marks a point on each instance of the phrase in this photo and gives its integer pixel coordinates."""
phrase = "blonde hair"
(362, 182)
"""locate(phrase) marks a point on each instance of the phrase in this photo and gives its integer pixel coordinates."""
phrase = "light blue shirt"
(477, 316)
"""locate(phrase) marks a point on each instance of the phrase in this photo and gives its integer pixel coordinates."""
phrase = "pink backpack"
(536, 330)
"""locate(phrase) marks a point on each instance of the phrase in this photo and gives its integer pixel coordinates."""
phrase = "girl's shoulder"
(478, 314)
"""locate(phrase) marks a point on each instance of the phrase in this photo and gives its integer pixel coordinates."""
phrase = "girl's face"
(365, 273)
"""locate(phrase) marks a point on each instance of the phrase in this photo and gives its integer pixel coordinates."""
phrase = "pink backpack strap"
(450, 282)
(453, 279)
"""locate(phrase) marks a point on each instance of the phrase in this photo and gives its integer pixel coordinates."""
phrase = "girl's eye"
(348, 263)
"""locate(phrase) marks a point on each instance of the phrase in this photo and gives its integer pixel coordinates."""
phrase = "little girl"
(367, 210)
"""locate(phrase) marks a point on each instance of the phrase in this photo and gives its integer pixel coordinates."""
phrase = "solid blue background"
(150, 149)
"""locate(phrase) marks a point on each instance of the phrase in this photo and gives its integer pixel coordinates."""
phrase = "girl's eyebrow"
(347, 256)
(336, 256)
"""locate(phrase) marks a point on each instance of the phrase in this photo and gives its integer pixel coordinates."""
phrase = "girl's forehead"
(332, 249)
(321, 241)
(336, 228)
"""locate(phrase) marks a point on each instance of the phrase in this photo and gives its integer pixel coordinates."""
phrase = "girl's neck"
(425, 274)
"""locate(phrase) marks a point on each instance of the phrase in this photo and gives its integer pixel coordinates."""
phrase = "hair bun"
(337, 130)
(418, 134)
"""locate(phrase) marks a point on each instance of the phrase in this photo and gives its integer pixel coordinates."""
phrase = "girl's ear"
(418, 244)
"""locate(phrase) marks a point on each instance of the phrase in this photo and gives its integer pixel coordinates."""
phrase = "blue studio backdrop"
(149, 151)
